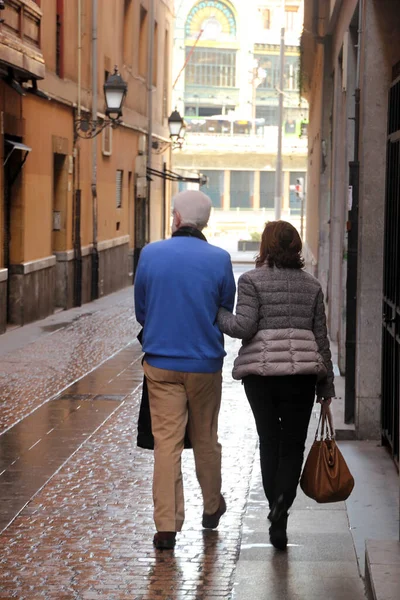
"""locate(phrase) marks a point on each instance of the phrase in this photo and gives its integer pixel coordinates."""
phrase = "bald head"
(191, 208)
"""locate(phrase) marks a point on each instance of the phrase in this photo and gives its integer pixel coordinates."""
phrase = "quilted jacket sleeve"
(244, 324)
(325, 387)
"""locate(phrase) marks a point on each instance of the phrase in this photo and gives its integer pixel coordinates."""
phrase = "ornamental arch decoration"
(215, 17)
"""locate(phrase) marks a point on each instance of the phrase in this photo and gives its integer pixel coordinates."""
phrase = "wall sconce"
(115, 90)
(177, 131)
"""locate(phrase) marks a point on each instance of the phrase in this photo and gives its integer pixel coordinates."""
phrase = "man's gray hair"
(194, 208)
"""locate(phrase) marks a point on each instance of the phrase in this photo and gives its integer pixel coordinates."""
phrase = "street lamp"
(115, 90)
(177, 128)
(177, 131)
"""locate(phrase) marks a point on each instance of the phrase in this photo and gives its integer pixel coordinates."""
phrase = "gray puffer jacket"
(280, 316)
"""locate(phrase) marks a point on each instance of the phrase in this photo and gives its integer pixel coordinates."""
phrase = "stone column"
(379, 40)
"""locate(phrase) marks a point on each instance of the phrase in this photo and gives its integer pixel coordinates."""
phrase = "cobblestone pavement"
(34, 373)
(87, 534)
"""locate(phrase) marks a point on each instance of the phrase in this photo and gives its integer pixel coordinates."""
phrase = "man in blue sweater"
(180, 284)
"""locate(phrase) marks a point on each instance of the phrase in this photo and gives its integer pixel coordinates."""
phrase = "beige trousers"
(177, 399)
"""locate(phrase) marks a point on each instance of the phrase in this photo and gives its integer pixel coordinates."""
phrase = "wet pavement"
(76, 490)
(39, 360)
(76, 501)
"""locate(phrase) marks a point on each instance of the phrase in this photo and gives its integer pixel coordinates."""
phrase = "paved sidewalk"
(320, 562)
(76, 491)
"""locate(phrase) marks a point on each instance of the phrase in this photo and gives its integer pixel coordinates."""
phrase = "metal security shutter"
(119, 189)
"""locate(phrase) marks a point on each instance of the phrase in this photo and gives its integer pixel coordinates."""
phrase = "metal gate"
(391, 282)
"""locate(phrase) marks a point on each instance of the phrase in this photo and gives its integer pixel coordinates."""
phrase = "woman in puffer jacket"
(284, 361)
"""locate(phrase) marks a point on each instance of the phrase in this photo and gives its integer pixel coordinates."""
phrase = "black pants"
(282, 409)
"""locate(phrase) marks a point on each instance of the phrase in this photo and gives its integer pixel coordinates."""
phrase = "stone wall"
(32, 290)
(114, 265)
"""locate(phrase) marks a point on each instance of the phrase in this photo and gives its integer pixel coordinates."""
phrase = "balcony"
(20, 40)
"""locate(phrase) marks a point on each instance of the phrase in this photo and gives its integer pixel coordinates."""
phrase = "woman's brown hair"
(280, 246)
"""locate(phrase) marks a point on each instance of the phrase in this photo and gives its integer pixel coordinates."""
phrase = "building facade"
(71, 212)
(351, 67)
(226, 83)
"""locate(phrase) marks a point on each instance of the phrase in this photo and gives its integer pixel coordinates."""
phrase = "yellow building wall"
(125, 149)
(43, 121)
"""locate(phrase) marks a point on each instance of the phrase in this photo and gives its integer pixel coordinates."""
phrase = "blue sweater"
(180, 283)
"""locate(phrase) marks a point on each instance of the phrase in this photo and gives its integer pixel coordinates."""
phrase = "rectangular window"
(155, 54)
(143, 35)
(265, 15)
(127, 48)
(118, 192)
(211, 67)
(241, 189)
(268, 113)
(270, 64)
(215, 187)
(292, 73)
(291, 17)
(267, 189)
(166, 75)
(60, 38)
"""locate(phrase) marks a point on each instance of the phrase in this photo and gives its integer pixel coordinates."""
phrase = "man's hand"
(324, 401)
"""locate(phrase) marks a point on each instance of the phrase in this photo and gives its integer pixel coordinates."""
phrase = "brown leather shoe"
(164, 540)
(212, 521)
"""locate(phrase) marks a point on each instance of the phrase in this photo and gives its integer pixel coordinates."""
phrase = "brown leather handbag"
(326, 476)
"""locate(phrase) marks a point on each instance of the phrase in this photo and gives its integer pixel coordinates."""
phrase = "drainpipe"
(95, 255)
(77, 170)
(79, 57)
(352, 248)
(150, 53)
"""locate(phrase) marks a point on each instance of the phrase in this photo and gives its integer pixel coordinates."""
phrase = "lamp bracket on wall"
(88, 128)
(160, 146)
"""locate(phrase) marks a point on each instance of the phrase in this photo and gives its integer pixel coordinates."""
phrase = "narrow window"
(119, 188)
(143, 33)
(155, 54)
(265, 14)
(291, 17)
(166, 75)
(127, 48)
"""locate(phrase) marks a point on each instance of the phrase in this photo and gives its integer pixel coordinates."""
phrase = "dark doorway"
(15, 154)
(391, 282)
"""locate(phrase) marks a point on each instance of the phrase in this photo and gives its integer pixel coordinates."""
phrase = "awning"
(16, 146)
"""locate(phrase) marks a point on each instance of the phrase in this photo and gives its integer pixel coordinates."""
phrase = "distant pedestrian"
(284, 360)
(180, 284)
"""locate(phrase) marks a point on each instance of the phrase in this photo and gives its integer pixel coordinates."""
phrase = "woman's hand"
(324, 401)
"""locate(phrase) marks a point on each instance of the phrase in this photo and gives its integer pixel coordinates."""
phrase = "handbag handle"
(325, 428)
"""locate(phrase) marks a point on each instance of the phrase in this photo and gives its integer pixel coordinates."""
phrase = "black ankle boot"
(277, 533)
(278, 510)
